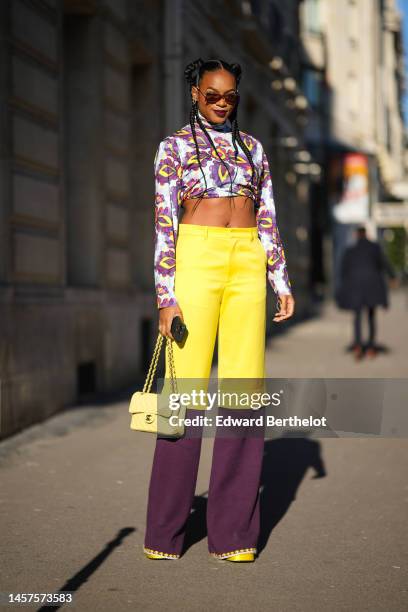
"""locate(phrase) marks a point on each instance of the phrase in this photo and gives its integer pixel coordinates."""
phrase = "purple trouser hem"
(233, 513)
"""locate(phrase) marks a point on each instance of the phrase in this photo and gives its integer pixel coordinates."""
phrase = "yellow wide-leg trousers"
(220, 284)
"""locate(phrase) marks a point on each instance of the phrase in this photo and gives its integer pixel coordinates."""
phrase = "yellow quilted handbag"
(151, 411)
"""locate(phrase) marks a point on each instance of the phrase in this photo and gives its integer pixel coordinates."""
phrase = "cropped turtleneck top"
(178, 177)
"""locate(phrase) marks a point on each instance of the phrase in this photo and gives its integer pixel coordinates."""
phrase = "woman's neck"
(219, 127)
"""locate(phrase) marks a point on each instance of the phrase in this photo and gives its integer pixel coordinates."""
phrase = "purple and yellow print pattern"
(178, 177)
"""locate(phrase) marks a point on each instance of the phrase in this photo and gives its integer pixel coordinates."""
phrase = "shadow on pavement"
(286, 461)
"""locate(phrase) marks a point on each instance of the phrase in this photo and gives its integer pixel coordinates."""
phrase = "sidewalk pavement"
(317, 348)
(334, 511)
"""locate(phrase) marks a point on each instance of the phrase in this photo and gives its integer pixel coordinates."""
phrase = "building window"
(388, 128)
(353, 94)
(312, 86)
(353, 19)
(312, 20)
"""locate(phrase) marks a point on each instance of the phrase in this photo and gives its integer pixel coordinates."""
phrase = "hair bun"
(192, 70)
(237, 71)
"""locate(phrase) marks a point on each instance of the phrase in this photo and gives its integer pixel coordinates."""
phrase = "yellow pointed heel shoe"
(153, 556)
(150, 554)
(242, 557)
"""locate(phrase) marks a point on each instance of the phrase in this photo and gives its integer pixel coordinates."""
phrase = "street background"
(88, 89)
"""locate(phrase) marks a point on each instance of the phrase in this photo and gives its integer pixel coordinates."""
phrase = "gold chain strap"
(153, 364)
(172, 368)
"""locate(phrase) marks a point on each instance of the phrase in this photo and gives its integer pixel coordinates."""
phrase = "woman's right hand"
(166, 316)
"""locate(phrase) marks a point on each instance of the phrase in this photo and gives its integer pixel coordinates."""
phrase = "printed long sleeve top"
(178, 177)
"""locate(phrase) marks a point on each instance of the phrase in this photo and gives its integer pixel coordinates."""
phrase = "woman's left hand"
(286, 307)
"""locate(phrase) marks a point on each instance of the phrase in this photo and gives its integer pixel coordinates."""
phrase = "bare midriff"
(235, 211)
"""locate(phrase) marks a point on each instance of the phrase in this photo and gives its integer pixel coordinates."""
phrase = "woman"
(215, 279)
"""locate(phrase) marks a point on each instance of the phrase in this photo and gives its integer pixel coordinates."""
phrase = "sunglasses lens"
(231, 98)
(212, 98)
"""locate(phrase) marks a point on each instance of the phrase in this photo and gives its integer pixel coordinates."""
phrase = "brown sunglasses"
(212, 98)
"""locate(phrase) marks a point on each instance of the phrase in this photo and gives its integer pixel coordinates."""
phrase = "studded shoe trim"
(159, 552)
(232, 553)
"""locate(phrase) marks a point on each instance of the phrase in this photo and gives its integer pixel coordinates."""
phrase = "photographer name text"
(234, 421)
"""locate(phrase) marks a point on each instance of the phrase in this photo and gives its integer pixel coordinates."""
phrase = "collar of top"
(219, 127)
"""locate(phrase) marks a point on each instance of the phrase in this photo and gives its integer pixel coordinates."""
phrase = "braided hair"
(193, 74)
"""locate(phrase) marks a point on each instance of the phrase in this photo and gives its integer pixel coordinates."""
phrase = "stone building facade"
(75, 299)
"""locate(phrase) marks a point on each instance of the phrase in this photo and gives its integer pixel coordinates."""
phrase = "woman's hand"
(286, 307)
(166, 316)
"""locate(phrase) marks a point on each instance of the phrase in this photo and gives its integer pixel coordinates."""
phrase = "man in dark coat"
(363, 286)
